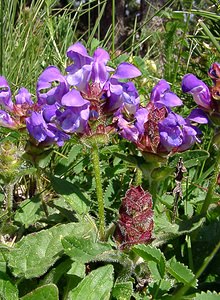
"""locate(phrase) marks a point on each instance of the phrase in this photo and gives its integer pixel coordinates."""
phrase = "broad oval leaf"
(83, 250)
(8, 290)
(35, 253)
(45, 292)
(96, 285)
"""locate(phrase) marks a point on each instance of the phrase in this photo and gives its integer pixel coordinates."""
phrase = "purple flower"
(23, 97)
(75, 112)
(43, 132)
(199, 116)
(127, 129)
(162, 95)
(214, 72)
(176, 133)
(196, 87)
(5, 94)
(51, 86)
(87, 68)
(127, 101)
(38, 128)
(74, 119)
(6, 120)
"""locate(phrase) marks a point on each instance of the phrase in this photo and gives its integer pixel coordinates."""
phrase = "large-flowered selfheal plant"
(93, 100)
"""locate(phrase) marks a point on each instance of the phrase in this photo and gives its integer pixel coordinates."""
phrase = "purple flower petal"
(5, 94)
(74, 99)
(6, 120)
(37, 127)
(127, 130)
(141, 117)
(196, 87)
(126, 70)
(100, 55)
(199, 116)
(23, 97)
(162, 94)
(47, 79)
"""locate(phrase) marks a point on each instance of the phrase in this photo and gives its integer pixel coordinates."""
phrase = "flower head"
(135, 224)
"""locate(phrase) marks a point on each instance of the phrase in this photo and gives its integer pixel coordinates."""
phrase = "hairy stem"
(99, 192)
(9, 197)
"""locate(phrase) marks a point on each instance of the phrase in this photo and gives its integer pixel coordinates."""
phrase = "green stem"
(185, 288)
(99, 192)
(40, 191)
(9, 197)
(138, 177)
(212, 184)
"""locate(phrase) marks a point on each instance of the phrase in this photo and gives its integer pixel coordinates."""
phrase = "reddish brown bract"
(135, 222)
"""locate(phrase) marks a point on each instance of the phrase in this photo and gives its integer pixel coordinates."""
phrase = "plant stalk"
(212, 184)
(9, 197)
(99, 192)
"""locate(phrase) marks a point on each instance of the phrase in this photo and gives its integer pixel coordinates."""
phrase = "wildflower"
(45, 132)
(135, 224)
(86, 68)
(161, 95)
(198, 89)
(51, 86)
(5, 94)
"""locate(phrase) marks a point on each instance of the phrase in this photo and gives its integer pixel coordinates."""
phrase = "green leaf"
(29, 211)
(44, 158)
(207, 296)
(150, 253)
(54, 275)
(77, 269)
(45, 292)
(83, 250)
(76, 203)
(75, 150)
(123, 290)
(71, 194)
(181, 272)
(190, 158)
(96, 285)
(35, 253)
(8, 290)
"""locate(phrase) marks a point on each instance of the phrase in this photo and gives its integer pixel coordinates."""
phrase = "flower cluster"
(207, 98)
(94, 98)
(91, 91)
(135, 224)
(156, 128)
(13, 114)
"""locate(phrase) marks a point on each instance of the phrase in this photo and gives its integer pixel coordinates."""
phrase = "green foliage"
(45, 292)
(35, 253)
(96, 285)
